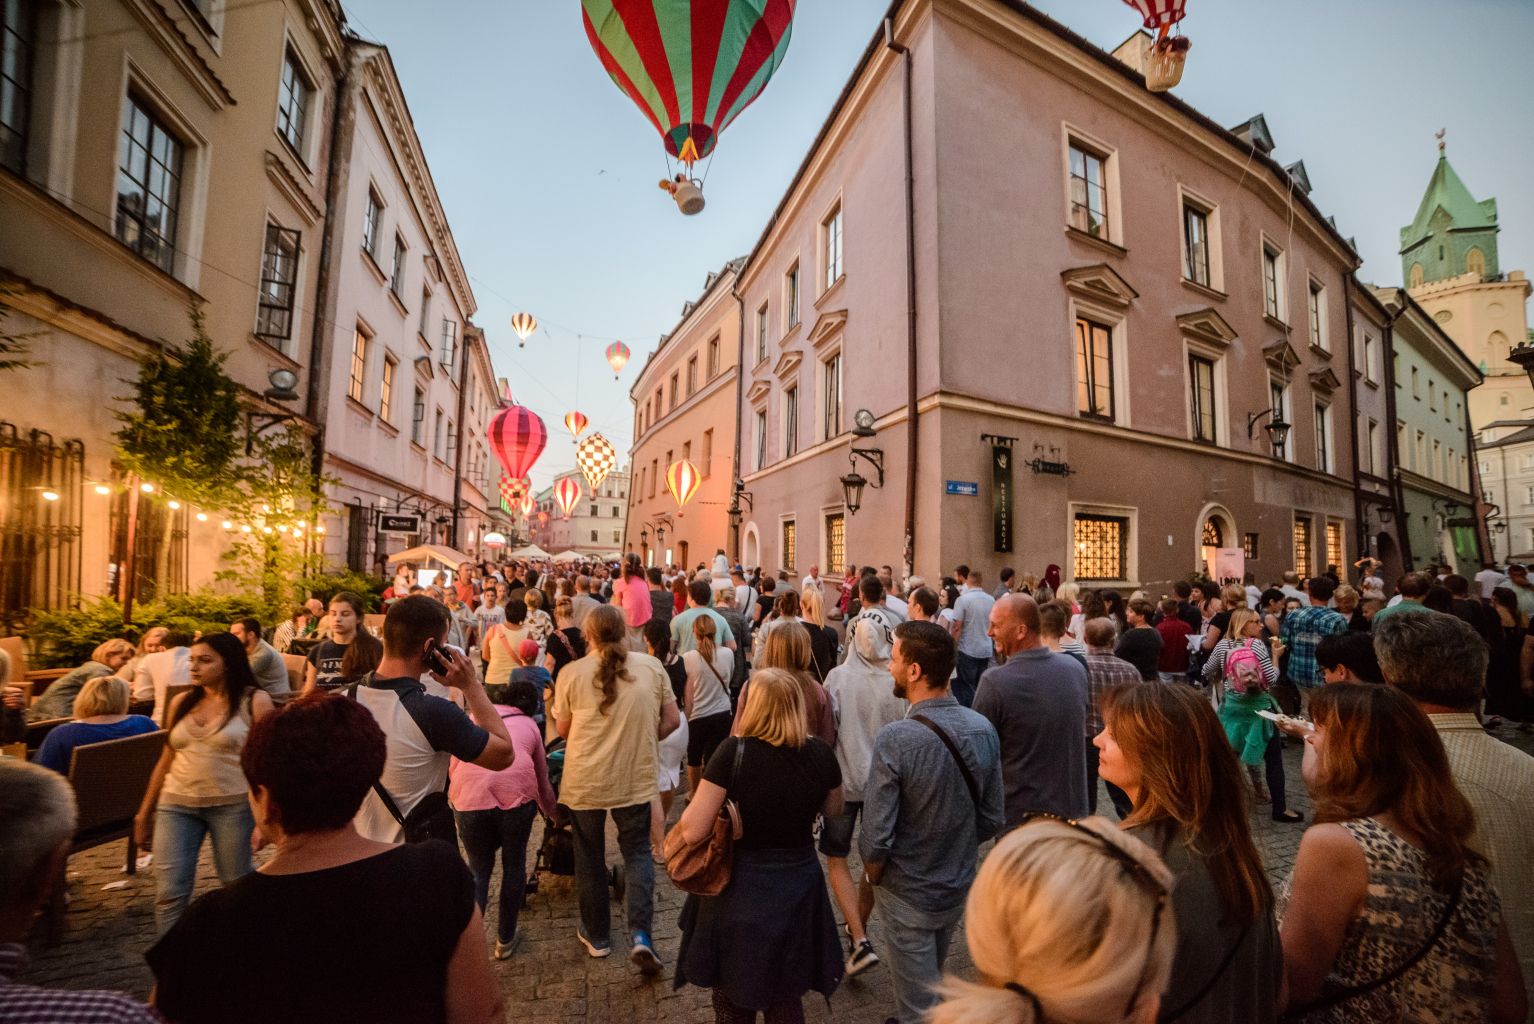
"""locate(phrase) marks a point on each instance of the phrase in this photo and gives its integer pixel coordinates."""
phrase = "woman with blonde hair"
(1232, 597)
(1164, 746)
(1255, 739)
(152, 642)
(1066, 921)
(823, 639)
(788, 647)
(101, 714)
(770, 936)
(59, 700)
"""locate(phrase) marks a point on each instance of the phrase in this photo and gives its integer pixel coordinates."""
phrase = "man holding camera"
(424, 733)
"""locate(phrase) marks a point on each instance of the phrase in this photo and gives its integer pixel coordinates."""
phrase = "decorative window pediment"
(758, 391)
(787, 364)
(826, 326)
(1208, 326)
(1325, 380)
(1281, 356)
(1100, 283)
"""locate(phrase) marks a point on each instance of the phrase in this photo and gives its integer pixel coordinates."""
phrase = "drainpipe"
(1398, 491)
(469, 331)
(1360, 520)
(1473, 485)
(740, 384)
(912, 430)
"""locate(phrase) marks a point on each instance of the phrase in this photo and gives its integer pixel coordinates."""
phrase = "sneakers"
(643, 954)
(503, 950)
(596, 949)
(863, 957)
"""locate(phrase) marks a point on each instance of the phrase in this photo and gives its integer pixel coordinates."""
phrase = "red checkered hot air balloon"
(682, 481)
(576, 422)
(566, 493)
(617, 355)
(512, 489)
(517, 436)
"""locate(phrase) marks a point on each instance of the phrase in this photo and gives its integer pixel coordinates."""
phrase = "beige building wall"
(594, 528)
(1486, 319)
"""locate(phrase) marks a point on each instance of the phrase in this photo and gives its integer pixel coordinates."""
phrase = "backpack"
(1243, 670)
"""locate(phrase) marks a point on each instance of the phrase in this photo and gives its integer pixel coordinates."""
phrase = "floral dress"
(1454, 982)
(539, 625)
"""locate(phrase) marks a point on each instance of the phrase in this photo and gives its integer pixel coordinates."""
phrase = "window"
(692, 376)
(1475, 262)
(1201, 377)
(1317, 323)
(1302, 547)
(449, 351)
(616, 511)
(1334, 553)
(1416, 276)
(790, 421)
(593, 536)
(687, 451)
(1195, 226)
(593, 511)
(658, 405)
(1432, 396)
(708, 452)
(359, 366)
(421, 328)
(1094, 369)
(17, 40)
(372, 225)
(148, 185)
(654, 473)
(386, 391)
(674, 383)
(1278, 396)
(1416, 392)
(761, 333)
(293, 104)
(452, 443)
(761, 439)
(832, 399)
(833, 251)
(1375, 459)
(1435, 466)
(279, 275)
(713, 358)
(1249, 546)
(790, 552)
(617, 536)
(1270, 276)
(1421, 465)
(1323, 438)
(1371, 359)
(640, 493)
(1089, 193)
(1528, 498)
(397, 275)
(836, 544)
(1102, 547)
(417, 417)
(436, 436)
(791, 287)
(1491, 496)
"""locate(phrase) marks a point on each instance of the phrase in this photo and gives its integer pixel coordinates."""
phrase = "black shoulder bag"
(430, 818)
(969, 777)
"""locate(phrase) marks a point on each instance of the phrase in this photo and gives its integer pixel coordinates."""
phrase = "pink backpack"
(1243, 670)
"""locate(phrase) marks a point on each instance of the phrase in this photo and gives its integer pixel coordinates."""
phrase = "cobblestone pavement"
(550, 977)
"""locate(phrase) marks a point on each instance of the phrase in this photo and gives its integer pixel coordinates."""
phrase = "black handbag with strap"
(431, 817)
(969, 777)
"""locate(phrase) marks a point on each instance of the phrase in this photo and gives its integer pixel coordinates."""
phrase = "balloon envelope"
(596, 456)
(1158, 12)
(682, 481)
(617, 355)
(566, 493)
(524, 324)
(576, 422)
(517, 437)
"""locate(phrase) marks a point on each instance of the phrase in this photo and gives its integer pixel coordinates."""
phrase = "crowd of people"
(954, 735)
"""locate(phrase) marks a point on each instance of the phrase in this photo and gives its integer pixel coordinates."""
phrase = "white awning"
(426, 552)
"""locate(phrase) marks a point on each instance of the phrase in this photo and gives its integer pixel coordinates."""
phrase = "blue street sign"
(964, 487)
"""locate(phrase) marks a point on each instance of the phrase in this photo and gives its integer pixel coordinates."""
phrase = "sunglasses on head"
(1134, 869)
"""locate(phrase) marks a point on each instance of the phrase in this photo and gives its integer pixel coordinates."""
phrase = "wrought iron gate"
(42, 491)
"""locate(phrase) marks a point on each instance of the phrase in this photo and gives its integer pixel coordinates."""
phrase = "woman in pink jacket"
(632, 594)
(495, 809)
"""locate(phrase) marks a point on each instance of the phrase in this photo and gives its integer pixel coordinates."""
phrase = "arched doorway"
(752, 548)
(1390, 557)
(1216, 530)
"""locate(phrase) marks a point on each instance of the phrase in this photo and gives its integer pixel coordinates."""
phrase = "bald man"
(1037, 701)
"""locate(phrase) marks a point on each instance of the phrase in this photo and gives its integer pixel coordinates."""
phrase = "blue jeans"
(968, 680)
(916, 944)
(589, 830)
(178, 836)
(481, 833)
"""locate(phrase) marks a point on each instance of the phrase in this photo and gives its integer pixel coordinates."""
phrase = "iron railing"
(42, 494)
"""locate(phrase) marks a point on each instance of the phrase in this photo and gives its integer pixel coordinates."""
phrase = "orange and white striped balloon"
(566, 493)
(576, 422)
(682, 480)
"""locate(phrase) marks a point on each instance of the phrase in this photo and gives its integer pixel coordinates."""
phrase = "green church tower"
(1452, 235)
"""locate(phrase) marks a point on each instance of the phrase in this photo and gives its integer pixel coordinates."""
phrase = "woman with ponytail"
(613, 707)
(709, 668)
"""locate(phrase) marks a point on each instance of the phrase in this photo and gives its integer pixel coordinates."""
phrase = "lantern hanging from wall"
(527, 506)
(682, 481)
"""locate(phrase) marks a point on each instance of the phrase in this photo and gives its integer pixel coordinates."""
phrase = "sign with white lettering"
(964, 487)
(399, 522)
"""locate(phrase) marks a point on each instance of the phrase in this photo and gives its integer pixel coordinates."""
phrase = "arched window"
(1475, 262)
(1213, 535)
(1416, 276)
(1498, 345)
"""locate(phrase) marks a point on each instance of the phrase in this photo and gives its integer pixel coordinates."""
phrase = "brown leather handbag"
(703, 868)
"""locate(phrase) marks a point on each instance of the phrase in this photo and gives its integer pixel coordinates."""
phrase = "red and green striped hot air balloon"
(691, 66)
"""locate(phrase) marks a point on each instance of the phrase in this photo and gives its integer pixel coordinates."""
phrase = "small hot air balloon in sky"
(524, 324)
(517, 436)
(543, 517)
(1164, 63)
(690, 66)
(527, 505)
(576, 422)
(566, 493)
(617, 355)
(596, 456)
(682, 481)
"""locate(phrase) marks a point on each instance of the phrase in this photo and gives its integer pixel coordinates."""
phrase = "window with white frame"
(293, 101)
(386, 390)
(1317, 313)
(417, 417)
(1102, 547)
(148, 184)
(790, 543)
(1323, 438)
(436, 436)
(713, 358)
(1195, 263)
(1094, 369)
(708, 454)
(692, 376)
(451, 452)
(425, 322)
(761, 333)
(1420, 462)
(675, 383)
(1089, 191)
(1435, 467)
(831, 232)
(1376, 459)
(279, 282)
(397, 274)
(831, 396)
(1202, 397)
(448, 353)
(358, 384)
(1272, 279)
(761, 439)
(372, 225)
(790, 421)
(791, 298)
(1371, 359)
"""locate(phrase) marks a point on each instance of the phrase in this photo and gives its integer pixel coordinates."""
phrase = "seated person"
(58, 701)
(101, 714)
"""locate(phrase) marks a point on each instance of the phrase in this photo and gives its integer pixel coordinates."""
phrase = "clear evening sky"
(548, 173)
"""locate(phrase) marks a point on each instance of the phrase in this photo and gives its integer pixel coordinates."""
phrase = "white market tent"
(439, 552)
(531, 551)
(568, 556)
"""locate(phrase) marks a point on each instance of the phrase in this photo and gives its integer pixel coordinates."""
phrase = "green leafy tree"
(13, 347)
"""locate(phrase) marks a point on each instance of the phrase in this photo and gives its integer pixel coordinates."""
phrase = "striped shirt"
(28, 1004)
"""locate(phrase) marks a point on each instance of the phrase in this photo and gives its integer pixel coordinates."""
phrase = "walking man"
(971, 619)
(1105, 670)
(1304, 629)
(934, 794)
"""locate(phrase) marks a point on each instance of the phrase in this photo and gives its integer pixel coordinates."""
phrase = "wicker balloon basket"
(1164, 64)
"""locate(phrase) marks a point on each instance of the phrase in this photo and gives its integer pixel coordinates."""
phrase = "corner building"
(1105, 287)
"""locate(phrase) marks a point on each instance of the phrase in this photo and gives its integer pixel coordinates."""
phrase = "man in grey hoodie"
(863, 702)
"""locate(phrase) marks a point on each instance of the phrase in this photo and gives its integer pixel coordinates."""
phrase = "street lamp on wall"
(1278, 430)
(854, 482)
(1523, 355)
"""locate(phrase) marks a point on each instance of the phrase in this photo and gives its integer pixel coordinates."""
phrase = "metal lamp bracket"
(875, 457)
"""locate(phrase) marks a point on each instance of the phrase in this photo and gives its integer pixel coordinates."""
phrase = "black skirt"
(769, 937)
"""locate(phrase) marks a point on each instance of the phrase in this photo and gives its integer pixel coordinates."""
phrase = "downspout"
(1360, 520)
(1398, 492)
(469, 331)
(912, 431)
(1473, 485)
(740, 384)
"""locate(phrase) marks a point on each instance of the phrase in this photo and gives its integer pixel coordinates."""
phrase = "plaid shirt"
(1301, 632)
(1104, 672)
(27, 1004)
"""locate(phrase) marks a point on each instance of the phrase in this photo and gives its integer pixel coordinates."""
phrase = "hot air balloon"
(690, 67)
(682, 481)
(517, 436)
(576, 423)
(527, 505)
(543, 517)
(596, 456)
(566, 493)
(524, 324)
(493, 540)
(1164, 62)
(617, 355)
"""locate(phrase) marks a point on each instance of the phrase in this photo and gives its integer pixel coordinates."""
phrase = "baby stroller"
(556, 854)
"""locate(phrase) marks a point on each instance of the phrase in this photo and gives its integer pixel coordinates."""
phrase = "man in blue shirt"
(922, 821)
(1303, 630)
(971, 619)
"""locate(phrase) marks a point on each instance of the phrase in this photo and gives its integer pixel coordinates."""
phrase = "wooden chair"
(172, 692)
(373, 622)
(141, 707)
(40, 678)
(38, 731)
(297, 670)
(109, 780)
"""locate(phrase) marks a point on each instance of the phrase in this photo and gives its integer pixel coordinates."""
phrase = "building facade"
(686, 399)
(1505, 460)
(1103, 308)
(1374, 398)
(595, 527)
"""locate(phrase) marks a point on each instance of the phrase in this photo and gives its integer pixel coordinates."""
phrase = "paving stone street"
(550, 977)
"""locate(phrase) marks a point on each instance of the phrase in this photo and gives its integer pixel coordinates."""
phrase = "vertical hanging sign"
(1001, 497)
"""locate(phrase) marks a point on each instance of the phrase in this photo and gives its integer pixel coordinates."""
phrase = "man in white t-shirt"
(1489, 579)
(170, 667)
(745, 595)
(812, 581)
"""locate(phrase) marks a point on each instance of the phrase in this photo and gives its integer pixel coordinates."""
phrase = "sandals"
(1289, 817)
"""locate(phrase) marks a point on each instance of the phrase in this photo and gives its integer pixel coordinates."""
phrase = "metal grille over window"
(41, 500)
(1334, 544)
(790, 552)
(293, 105)
(1102, 547)
(279, 274)
(1302, 547)
(1094, 369)
(148, 187)
(18, 36)
(1089, 194)
(836, 545)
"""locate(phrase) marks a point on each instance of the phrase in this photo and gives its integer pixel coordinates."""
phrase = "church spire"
(1452, 234)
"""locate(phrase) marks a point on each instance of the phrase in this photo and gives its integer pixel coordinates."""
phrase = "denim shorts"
(836, 833)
